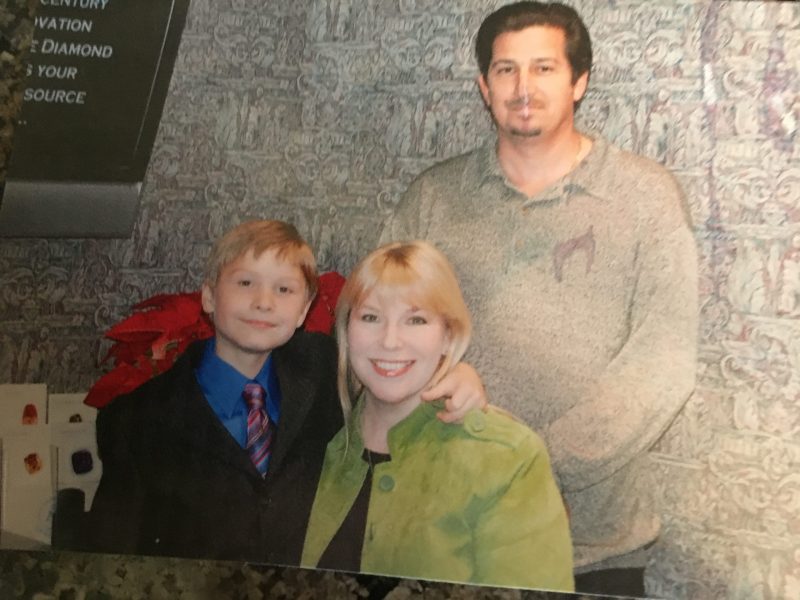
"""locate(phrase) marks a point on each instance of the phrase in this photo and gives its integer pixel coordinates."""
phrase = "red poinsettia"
(150, 340)
(320, 316)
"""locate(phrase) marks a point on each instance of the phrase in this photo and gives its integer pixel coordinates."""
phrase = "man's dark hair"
(520, 15)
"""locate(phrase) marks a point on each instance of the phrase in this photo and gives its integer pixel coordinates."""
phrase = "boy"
(178, 479)
(189, 469)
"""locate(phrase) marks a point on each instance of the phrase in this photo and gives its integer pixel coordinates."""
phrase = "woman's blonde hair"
(421, 275)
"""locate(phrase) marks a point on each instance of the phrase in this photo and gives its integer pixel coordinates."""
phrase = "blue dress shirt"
(223, 385)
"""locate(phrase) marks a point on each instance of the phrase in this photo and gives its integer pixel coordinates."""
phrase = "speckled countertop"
(78, 576)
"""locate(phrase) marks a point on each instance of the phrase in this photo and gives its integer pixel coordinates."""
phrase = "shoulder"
(307, 348)
(501, 427)
(640, 183)
(447, 171)
(634, 168)
(306, 369)
(152, 397)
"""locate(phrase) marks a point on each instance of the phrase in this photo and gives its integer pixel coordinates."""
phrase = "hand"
(462, 390)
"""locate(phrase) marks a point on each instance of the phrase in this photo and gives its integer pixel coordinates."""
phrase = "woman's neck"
(378, 417)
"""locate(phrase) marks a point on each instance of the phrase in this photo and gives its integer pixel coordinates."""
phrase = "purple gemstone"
(82, 462)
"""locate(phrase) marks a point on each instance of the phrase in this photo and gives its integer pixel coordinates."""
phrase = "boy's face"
(256, 304)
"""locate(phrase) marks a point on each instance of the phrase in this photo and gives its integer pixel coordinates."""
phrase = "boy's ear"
(303, 314)
(207, 296)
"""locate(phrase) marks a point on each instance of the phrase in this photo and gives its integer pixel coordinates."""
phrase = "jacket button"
(386, 483)
(475, 421)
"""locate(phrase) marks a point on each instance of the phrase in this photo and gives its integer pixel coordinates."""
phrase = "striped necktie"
(259, 431)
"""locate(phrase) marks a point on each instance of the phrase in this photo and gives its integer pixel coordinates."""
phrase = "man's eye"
(244, 282)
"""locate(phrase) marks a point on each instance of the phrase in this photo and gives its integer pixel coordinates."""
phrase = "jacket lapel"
(197, 428)
(297, 375)
(340, 482)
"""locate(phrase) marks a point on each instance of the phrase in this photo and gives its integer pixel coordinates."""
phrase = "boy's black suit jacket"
(176, 483)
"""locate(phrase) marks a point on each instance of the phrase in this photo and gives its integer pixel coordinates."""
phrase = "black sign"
(96, 83)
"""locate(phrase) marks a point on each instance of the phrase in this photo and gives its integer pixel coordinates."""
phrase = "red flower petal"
(158, 315)
(124, 378)
(321, 315)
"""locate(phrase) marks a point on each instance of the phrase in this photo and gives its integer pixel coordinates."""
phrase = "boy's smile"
(256, 305)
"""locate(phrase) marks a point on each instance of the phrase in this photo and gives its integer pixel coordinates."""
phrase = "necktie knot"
(254, 396)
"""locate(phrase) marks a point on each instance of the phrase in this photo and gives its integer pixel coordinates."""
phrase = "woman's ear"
(447, 342)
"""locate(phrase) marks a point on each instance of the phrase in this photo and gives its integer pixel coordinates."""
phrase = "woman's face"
(395, 347)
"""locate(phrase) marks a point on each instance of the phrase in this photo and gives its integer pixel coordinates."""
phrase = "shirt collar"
(224, 384)
(583, 178)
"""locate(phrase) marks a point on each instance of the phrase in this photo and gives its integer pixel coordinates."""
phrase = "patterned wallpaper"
(322, 111)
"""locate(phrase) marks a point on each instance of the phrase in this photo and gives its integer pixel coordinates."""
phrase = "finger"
(446, 417)
(436, 392)
(455, 410)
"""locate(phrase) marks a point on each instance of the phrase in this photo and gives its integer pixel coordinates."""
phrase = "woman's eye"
(418, 320)
(369, 317)
(284, 290)
(244, 282)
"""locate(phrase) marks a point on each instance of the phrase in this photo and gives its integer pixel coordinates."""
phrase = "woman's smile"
(392, 368)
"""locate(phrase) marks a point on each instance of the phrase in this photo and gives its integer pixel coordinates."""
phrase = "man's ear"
(207, 296)
(484, 88)
(579, 87)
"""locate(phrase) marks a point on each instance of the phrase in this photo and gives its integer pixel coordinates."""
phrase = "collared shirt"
(585, 304)
(223, 385)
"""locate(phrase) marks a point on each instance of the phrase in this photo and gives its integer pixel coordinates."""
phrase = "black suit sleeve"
(115, 519)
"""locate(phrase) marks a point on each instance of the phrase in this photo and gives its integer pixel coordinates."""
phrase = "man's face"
(529, 87)
(257, 303)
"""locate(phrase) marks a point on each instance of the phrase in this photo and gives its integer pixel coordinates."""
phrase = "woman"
(402, 493)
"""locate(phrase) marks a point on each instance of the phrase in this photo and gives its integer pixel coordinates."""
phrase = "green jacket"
(475, 504)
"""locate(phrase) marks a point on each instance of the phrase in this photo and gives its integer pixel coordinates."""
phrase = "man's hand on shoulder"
(462, 390)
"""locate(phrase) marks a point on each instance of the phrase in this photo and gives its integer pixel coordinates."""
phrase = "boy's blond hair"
(259, 236)
(421, 275)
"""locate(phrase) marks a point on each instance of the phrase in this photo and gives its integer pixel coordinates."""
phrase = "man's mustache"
(522, 101)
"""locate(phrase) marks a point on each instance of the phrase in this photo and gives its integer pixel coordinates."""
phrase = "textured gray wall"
(321, 112)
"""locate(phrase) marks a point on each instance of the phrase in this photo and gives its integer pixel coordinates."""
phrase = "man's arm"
(462, 390)
(634, 401)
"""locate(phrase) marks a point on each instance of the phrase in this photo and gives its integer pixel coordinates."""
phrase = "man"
(581, 271)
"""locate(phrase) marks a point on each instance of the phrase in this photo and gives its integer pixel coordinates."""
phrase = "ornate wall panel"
(321, 112)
